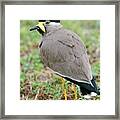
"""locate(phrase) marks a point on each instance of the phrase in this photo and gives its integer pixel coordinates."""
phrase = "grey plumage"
(64, 52)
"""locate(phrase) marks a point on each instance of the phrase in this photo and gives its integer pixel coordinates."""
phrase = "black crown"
(57, 21)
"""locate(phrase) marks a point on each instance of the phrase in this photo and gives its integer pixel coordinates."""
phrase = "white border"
(13, 15)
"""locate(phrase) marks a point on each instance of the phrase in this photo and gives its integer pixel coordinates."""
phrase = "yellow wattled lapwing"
(64, 52)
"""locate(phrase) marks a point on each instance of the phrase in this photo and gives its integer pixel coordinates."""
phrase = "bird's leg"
(75, 91)
(64, 90)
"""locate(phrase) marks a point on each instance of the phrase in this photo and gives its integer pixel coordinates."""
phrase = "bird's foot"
(65, 94)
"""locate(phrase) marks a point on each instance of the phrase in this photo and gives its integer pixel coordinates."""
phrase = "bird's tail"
(88, 88)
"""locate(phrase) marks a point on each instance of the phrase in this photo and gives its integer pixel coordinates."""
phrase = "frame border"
(69, 2)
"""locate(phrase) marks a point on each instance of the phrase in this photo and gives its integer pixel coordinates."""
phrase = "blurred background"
(38, 83)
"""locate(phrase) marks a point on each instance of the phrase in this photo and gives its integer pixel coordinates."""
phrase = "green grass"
(38, 83)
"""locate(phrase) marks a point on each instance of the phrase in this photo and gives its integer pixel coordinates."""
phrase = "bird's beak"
(40, 27)
(34, 28)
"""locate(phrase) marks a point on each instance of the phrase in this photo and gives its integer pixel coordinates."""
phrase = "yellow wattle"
(41, 25)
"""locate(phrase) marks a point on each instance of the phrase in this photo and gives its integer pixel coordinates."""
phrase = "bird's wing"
(66, 55)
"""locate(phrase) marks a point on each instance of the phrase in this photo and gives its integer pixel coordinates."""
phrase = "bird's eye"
(47, 22)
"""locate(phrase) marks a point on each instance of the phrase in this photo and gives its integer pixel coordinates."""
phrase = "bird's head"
(41, 26)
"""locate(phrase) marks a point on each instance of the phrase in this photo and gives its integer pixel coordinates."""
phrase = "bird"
(64, 52)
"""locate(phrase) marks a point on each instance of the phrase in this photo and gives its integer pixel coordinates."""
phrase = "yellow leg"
(75, 91)
(64, 90)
